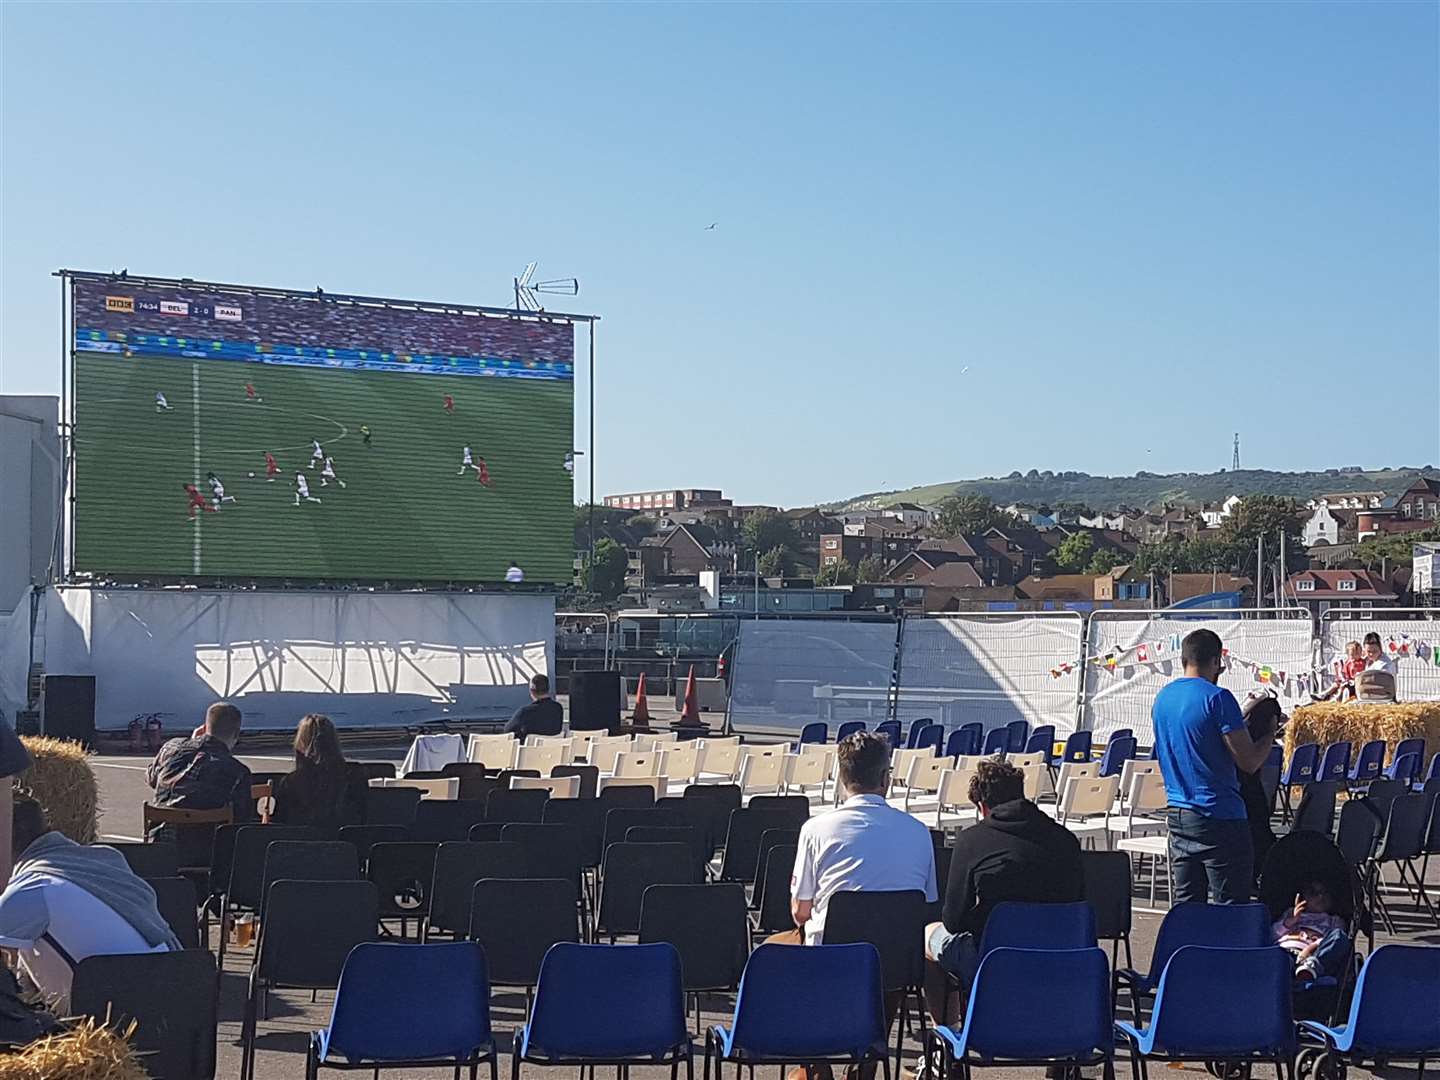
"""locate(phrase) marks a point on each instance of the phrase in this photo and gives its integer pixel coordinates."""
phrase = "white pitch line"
(195, 460)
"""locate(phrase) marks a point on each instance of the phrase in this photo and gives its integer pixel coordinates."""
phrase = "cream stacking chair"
(762, 774)
(719, 758)
(900, 763)
(679, 762)
(1071, 770)
(565, 742)
(1143, 802)
(1086, 805)
(637, 763)
(543, 758)
(954, 793)
(655, 740)
(923, 777)
(811, 766)
(493, 751)
(604, 751)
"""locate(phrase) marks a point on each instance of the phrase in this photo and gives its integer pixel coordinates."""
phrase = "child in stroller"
(1315, 934)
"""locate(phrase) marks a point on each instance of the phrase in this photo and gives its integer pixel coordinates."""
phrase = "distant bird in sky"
(711, 226)
(964, 369)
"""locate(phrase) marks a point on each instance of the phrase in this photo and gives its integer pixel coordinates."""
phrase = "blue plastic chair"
(1042, 741)
(997, 741)
(1433, 773)
(1019, 735)
(850, 727)
(931, 735)
(1368, 762)
(582, 1016)
(1226, 926)
(408, 1006)
(1032, 1007)
(1117, 752)
(1299, 770)
(1229, 1006)
(966, 740)
(1335, 764)
(1014, 925)
(1406, 765)
(1122, 733)
(817, 731)
(1386, 1017)
(821, 1004)
(891, 730)
(913, 736)
(1077, 747)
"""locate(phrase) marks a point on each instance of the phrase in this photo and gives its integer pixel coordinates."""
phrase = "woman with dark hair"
(1265, 719)
(317, 792)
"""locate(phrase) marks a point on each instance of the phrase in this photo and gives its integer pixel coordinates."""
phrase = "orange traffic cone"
(690, 714)
(641, 716)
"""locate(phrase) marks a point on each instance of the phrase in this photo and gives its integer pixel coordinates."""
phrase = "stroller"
(1293, 861)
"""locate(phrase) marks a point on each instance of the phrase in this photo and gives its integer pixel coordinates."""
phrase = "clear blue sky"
(1140, 226)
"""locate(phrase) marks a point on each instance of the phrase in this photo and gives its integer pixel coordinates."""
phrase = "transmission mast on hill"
(1235, 456)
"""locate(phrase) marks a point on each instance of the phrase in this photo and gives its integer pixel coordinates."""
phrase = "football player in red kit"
(449, 404)
(197, 501)
(272, 467)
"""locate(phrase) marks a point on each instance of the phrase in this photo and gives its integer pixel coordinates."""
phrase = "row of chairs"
(1308, 764)
(971, 740)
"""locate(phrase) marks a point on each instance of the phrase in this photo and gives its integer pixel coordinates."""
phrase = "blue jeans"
(1211, 859)
(1330, 956)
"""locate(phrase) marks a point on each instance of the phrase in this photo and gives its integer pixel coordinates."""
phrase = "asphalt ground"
(282, 1037)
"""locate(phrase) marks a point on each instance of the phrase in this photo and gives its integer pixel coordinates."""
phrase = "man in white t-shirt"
(1375, 658)
(66, 902)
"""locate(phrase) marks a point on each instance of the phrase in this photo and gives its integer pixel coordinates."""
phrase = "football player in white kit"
(161, 405)
(466, 462)
(328, 473)
(316, 453)
(302, 489)
(217, 490)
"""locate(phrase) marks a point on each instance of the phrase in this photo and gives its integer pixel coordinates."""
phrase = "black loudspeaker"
(69, 708)
(595, 698)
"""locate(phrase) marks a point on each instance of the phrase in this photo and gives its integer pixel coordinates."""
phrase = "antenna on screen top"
(528, 291)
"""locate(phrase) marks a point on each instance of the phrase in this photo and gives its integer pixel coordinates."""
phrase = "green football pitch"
(408, 510)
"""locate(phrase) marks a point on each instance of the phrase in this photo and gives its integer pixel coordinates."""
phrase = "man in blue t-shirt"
(1202, 745)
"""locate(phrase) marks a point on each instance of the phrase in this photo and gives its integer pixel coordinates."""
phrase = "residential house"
(809, 523)
(1121, 520)
(1069, 588)
(1122, 583)
(945, 563)
(687, 549)
(1172, 521)
(874, 539)
(1215, 513)
(1328, 525)
(1007, 556)
(1348, 500)
(1355, 591)
(646, 502)
(1039, 517)
(1415, 508)
(910, 515)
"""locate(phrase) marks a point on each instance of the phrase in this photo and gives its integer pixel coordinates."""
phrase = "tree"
(1393, 551)
(840, 572)
(1159, 557)
(766, 530)
(1206, 556)
(871, 568)
(1075, 552)
(605, 575)
(965, 515)
(1103, 561)
(1263, 516)
(643, 524)
(603, 515)
(776, 562)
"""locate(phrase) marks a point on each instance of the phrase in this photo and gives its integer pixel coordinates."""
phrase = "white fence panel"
(1121, 696)
(1417, 667)
(991, 668)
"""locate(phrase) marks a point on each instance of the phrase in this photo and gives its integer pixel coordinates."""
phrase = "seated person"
(1315, 935)
(1345, 679)
(543, 716)
(320, 790)
(202, 772)
(1375, 658)
(66, 901)
(1015, 852)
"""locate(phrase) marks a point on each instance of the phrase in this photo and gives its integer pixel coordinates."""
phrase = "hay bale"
(88, 1051)
(1325, 722)
(64, 784)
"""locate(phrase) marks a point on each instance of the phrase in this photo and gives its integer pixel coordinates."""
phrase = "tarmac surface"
(283, 1036)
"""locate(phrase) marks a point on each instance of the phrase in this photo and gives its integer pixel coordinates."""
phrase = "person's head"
(222, 721)
(1263, 715)
(1372, 646)
(1317, 897)
(539, 687)
(27, 825)
(317, 742)
(1354, 650)
(994, 783)
(209, 476)
(1202, 655)
(864, 764)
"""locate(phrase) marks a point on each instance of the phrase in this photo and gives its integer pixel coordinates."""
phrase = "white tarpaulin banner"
(365, 659)
(1414, 644)
(991, 668)
(1121, 696)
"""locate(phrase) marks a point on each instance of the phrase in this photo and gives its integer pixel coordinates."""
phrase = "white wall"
(30, 472)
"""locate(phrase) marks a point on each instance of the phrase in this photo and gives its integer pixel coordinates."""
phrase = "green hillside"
(1152, 489)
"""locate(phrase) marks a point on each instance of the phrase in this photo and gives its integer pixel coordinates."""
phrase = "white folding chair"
(559, 787)
(762, 774)
(811, 766)
(656, 740)
(1132, 768)
(1086, 805)
(719, 759)
(900, 763)
(953, 793)
(636, 763)
(1035, 777)
(923, 777)
(1021, 761)
(680, 762)
(542, 758)
(604, 751)
(1144, 798)
(566, 744)
(1071, 770)
(493, 751)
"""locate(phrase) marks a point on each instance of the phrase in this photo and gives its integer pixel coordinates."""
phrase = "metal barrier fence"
(1413, 642)
(991, 668)
(1145, 646)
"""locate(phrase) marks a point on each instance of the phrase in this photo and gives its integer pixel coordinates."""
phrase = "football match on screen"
(292, 436)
